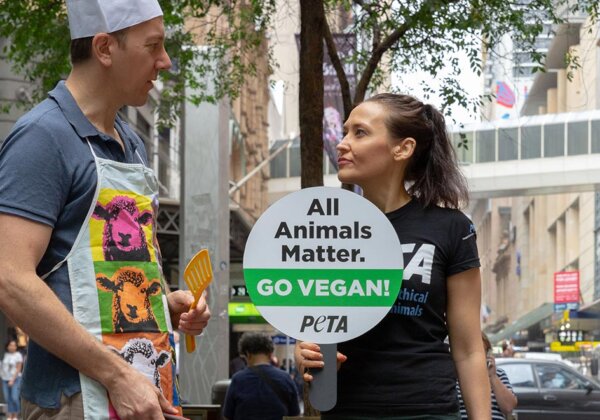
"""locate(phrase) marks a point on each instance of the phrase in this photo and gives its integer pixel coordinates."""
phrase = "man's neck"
(92, 97)
(258, 359)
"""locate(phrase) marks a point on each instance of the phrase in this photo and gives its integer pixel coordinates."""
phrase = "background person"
(10, 370)
(261, 391)
(79, 271)
(504, 401)
(398, 151)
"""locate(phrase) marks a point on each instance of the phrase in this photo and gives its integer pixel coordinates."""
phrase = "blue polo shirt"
(48, 175)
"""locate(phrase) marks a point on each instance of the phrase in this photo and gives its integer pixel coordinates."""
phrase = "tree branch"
(339, 70)
(385, 45)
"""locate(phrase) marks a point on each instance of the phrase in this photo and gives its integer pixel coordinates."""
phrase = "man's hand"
(188, 321)
(134, 397)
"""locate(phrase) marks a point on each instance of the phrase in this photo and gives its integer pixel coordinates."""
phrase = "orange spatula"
(197, 275)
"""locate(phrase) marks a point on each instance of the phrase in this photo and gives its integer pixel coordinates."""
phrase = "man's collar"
(72, 112)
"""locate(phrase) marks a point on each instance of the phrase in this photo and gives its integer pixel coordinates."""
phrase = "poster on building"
(566, 290)
(333, 104)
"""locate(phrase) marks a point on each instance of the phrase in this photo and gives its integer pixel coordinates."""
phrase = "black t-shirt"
(403, 365)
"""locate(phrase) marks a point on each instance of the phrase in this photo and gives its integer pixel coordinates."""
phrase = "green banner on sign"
(323, 287)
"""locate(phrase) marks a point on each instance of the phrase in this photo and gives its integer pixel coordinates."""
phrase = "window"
(464, 153)
(554, 377)
(554, 140)
(486, 146)
(294, 160)
(531, 143)
(508, 143)
(595, 136)
(577, 139)
(519, 375)
(279, 165)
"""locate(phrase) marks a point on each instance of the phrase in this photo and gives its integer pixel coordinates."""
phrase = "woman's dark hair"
(255, 343)
(81, 48)
(433, 169)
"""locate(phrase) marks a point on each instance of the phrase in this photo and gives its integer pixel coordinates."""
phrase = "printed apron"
(117, 284)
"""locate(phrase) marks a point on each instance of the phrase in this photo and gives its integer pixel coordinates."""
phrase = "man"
(261, 391)
(79, 265)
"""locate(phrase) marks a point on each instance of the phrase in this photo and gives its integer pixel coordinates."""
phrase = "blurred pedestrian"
(503, 398)
(507, 349)
(236, 364)
(261, 391)
(10, 371)
(397, 149)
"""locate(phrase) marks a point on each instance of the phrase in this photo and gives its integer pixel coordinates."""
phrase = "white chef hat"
(89, 17)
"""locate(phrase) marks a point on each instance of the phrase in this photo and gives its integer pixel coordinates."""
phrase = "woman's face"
(365, 153)
(12, 347)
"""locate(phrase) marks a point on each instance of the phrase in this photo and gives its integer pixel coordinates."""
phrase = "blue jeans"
(11, 395)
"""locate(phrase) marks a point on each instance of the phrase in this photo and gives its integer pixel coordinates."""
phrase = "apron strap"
(91, 210)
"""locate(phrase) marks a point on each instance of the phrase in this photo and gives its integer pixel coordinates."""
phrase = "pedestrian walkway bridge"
(543, 154)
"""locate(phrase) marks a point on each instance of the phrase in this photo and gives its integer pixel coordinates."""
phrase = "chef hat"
(89, 17)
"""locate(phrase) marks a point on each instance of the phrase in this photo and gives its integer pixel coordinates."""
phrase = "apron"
(116, 280)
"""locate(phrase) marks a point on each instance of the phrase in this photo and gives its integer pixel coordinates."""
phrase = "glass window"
(519, 374)
(464, 153)
(486, 146)
(278, 165)
(554, 140)
(577, 138)
(531, 142)
(508, 142)
(294, 161)
(596, 136)
(554, 377)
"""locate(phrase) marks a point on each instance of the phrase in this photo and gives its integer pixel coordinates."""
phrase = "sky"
(412, 83)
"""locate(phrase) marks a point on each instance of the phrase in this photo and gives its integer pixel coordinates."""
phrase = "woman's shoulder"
(446, 215)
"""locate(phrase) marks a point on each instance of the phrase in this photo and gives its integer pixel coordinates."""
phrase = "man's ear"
(404, 149)
(102, 46)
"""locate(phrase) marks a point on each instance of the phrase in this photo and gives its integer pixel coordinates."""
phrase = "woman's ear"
(102, 45)
(405, 149)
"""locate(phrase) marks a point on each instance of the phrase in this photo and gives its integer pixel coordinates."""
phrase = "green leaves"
(207, 40)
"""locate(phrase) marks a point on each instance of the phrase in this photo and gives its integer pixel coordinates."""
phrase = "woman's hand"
(491, 367)
(308, 355)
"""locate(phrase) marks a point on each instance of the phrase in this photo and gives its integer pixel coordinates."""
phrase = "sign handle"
(322, 392)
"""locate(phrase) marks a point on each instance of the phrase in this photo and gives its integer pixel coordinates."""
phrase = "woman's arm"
(464, 305)
(506, 399)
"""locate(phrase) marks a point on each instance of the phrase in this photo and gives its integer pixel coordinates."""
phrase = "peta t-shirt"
(403, 366)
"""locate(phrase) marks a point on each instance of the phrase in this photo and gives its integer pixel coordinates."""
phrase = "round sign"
(323, 265)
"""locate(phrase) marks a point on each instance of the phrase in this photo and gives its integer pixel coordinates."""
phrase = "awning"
(592, 307)
(529, 319)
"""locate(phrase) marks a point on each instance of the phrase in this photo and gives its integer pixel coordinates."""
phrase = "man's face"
(137, 61)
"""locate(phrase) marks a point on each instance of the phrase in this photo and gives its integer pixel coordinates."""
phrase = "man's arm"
(28, 302)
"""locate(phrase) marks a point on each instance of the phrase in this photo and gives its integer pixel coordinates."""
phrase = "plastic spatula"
(197, 275)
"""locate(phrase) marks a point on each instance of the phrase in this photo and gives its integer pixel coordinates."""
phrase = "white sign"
(323, 265)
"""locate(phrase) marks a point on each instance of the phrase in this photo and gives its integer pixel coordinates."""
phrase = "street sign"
(323, 265)
(566, 290)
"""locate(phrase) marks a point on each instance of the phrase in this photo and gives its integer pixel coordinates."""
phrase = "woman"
(397, 150)
(504, 400)
(12, 364)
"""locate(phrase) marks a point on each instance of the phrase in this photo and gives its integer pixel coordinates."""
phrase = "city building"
(525, 240)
